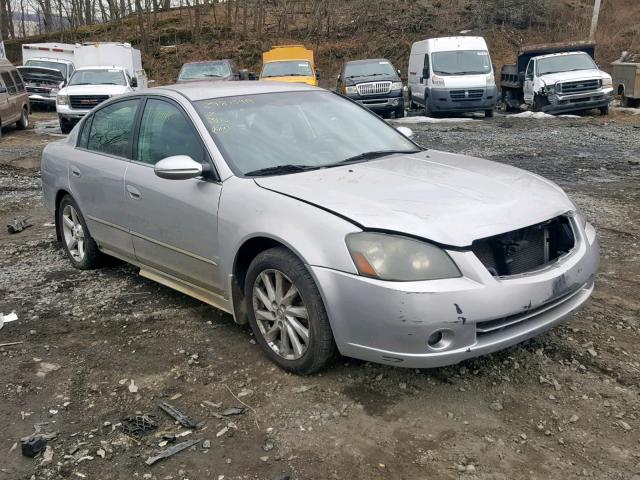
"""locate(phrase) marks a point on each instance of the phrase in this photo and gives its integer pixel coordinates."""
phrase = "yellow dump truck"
(289, 63)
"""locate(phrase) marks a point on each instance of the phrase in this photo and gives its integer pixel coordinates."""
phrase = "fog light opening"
(440, 339)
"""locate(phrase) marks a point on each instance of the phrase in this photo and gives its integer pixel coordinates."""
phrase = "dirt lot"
(562, 406)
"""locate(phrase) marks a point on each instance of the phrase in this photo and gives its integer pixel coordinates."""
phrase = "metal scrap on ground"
(171, 451)
(138, 425)
(18, 224)
(182, 418)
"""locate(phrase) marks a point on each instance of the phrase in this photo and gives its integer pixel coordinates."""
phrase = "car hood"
(295, 79)
(228, 78)
(41, 75)
(577, 75)
(446, 198)
(465, 81)
(370, 78)
(94, 90)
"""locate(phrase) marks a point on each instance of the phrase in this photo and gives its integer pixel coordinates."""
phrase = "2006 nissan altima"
(322, 226)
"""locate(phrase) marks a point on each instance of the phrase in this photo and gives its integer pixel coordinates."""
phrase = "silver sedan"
(319, 224)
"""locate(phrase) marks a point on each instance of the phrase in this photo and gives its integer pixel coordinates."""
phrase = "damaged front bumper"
(442, 322)
(580, 101)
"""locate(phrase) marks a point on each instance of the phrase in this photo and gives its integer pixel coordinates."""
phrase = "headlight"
(54, 91)
(351, 90)
(395, 86)
(607, 83)
(437, 81)
(550, 89)
(397, 258)
(62, 99)
(491, 80)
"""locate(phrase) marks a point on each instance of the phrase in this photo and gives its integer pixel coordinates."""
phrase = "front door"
(174, 223)
(10, 110)
(528, 83)
(96, 174)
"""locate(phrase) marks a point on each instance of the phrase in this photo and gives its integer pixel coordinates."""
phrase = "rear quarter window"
(8, 82)
(17, 79)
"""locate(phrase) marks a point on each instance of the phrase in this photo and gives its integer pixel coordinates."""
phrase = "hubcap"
(73, 233)
(281, 315)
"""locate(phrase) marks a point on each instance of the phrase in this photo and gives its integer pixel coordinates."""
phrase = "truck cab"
(451, 74)
(568, 81)
(374, 84)
(289, 63)
(88, 87)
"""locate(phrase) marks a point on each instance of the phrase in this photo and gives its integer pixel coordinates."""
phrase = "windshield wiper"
(280, 169)
(369, 156)
(73, 84)
(211, 75)
(109, 83)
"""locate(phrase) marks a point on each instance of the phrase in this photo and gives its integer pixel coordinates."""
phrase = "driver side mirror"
(406, 131)
(134, 82)
(178, 167)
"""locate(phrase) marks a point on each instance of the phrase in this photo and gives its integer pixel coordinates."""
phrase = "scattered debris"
(138, 425)
(206, 444)
(181, 417)
(47, 456)
(303, 388)
(33, 445)
(222, 432)
(171, 451)
(133, 388)
(100, 452)
(268, 446)
(176, 396)
(11, 317)
(10, 344)
(232, 411)
(211, 404)
(18, 224)
(45, 367)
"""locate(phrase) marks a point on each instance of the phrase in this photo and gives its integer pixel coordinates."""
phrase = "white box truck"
(104, 70)
(47, 67)
(452, 74)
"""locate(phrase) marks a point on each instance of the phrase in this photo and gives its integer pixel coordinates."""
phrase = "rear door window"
(8, 82)
(112, 127)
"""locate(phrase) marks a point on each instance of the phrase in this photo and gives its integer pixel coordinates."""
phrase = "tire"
(604, 110)
(539, 103)
(84, 255)
(488, 114)
(261, 289)
(427, 107)
(399, 113)
(65, 126)
(23, 123)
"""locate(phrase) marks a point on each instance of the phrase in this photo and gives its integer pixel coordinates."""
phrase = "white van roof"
(445, 44)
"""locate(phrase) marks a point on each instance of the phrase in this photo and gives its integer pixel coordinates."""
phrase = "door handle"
(75, 172)
(134, 192)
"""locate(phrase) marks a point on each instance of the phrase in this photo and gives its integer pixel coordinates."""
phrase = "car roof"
(206, 89)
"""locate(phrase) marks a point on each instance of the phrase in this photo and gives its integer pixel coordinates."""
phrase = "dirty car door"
(96, 174)
(173, 222)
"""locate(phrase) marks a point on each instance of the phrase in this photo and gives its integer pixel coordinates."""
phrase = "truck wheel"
(24, 119)
(488, 113)
(399, 113)
(604, 110)
(427, 107)
(65, 125)
(539, 103)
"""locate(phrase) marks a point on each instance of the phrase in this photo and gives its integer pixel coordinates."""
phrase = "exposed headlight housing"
(396, 86)
(62, 99)
(54, 91)
(398, 258)
(351, 90)
(437, 81)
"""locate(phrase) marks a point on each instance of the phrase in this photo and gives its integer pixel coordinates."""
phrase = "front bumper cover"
(440, 100)
(582, 101)
(66, 111)
(390, 322)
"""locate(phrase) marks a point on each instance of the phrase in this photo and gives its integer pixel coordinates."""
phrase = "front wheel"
(604, 110)
(488, 113)
(65, 125)
(286, 312)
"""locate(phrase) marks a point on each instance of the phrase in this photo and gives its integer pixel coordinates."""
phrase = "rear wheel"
(286, 312)
(488, 113)
(24, 119)
(78, 243)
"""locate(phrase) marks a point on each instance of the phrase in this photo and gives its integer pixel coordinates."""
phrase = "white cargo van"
(452, 74)
(107, 70)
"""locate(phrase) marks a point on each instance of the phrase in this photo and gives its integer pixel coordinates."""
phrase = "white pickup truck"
(557, 78)
(108, 69)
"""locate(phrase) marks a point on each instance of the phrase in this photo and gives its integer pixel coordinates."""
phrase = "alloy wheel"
(281, 314)
(73, 233)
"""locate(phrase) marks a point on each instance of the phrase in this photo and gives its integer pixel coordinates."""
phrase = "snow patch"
(538, 115)
(422, 119)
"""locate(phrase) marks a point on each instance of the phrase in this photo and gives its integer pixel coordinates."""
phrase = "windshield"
(98, 77)
(565, 63)
(192, 71)
(461, 62)
(296, 68)
(61, 67)
(311, 129)
(369, 69)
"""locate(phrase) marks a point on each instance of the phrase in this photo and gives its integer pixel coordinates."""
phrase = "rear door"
(96, 173)
(174, 223)
(12, 107)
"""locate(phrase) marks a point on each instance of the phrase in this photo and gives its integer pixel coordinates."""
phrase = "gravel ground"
(102, 345)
